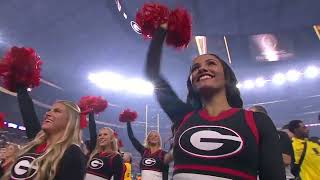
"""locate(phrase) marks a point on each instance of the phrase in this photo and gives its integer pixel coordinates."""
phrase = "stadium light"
(12, 125)
(260, 82)
(311, 72)
(279, 79)
(248, 84)
(116, 82)
(293, 75)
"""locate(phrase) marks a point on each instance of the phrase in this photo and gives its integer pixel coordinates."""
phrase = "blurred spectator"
(285, 142)
(307, 153)
(315, 140)
(285, 129)
(10, 154)
(127, 158)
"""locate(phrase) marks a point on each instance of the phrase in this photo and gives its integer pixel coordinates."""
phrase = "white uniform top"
(93, 177)
(190, 176)
(151, 175)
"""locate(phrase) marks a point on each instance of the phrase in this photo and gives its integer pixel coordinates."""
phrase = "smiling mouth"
(102, 141)
(205, 77)
(48, 121)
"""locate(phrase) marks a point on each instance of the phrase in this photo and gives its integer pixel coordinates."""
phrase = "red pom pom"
(116, 135)
(20, 67)
(120, 144)
(93, 103)
(179, 28)
(128, 116)
(83, 121)
(2, 120)
(150, 17)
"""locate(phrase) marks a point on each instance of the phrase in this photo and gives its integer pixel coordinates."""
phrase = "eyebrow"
(194, 65)
(210, 59)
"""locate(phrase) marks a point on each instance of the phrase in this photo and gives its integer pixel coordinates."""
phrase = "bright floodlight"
(140, 86)
(293, 75)
(12, 125)
(311, 72)
(22, 128)
(116, 82)
(279, 79)
(260, 82)
(248, 84)
(107, 80)
(271, 55)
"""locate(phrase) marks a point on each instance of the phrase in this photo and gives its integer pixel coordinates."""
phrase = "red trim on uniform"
(106, 154)
(227, 171)
(111, 159)
(124, 169)
(252, 125)
(154, 154)
(6, 166)
(145, 151)
(223, 115)
(103, 154)
(186, 117)
(41, 148)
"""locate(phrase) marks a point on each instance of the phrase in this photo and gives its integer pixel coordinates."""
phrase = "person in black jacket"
(215, 137)
(105, 162)
(152, 162)
(285, 144)
(54, 150)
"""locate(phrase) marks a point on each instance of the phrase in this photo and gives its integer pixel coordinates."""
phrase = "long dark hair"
(232, 92)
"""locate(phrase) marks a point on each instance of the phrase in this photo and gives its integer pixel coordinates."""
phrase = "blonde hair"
(98, 148)
(146, 142)
(13, 156)
(15, 146)
(48, 162)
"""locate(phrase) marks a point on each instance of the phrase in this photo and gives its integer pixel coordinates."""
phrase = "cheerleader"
(11, 151)
(215, 138)
(152, 163)
(105, 162)
(54, 150)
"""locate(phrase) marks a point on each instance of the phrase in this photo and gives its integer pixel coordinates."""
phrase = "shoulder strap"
(185, 118)
(252, 125)
(145, 151)
(111, 159)
(161, 155)
(303, 154)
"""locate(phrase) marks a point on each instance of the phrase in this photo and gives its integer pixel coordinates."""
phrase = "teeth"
(205, 77)
(49, 121)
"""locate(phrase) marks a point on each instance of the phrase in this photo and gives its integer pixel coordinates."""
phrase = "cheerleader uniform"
(152, 164)
(236, 144)
(72, 164)
(3, 167)
(104, 166)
